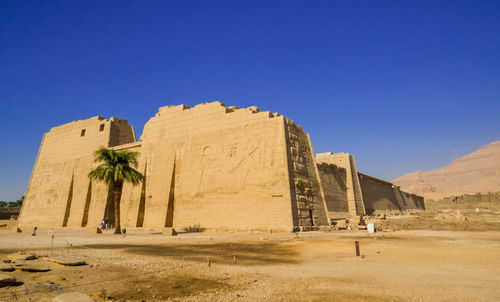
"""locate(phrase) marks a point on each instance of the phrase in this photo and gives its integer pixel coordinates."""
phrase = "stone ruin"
(209, 167)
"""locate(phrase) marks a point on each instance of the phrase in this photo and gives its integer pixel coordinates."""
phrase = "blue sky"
(401, 85)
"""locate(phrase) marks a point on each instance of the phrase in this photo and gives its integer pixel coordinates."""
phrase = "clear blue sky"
(401, 85)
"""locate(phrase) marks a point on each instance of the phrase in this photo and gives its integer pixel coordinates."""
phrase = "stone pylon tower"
(210, 166)
(355, 201)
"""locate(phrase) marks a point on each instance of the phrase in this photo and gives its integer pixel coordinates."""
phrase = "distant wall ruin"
(478, 197)
(209, 166)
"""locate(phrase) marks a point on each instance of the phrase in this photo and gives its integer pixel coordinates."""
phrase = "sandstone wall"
(214, 167)
(353, 190)
(306, 188)
(209, 166)
(379, 195)
(488, 197)
(59, 193)
(350, 194)
(333, 180)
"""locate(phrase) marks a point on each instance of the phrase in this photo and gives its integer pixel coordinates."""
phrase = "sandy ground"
(420, 265)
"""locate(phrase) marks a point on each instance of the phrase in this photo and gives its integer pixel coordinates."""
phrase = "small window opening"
(101, 128)
(83, 132)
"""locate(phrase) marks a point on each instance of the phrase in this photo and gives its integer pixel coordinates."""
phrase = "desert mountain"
(476, 172)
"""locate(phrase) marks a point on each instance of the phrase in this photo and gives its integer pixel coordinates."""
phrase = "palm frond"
(116, 166)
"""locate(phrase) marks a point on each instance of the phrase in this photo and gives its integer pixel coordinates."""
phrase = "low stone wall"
(478, 197)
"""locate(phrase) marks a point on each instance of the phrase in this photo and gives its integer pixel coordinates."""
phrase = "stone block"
(7, 280)
(95, 230)
(21, 256)
(34, 268)
(73, 297)
(68, 261)
(169, 232)
(4, 267)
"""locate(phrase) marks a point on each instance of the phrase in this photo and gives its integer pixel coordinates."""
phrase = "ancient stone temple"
(209, 166)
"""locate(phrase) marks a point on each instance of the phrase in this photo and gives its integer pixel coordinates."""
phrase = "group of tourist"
(105, 224)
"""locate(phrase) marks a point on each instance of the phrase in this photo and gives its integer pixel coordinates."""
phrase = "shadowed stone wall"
(341, 197)
(333, 180)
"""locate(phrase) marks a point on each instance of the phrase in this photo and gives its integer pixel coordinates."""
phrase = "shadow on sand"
(245, 253)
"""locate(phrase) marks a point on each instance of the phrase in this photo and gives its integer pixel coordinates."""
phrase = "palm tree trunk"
(117, 194)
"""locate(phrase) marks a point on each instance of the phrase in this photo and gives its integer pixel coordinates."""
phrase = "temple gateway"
(210, 166)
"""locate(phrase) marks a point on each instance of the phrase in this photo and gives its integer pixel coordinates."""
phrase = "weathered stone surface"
(7, 280)
(34, 268)
(222, 167)
(73, 297)
(21, 256)
(101, 295)
(51, 278)
(4, 267)
(94, 230)
(352, 194)
(18, 264)
(69, 261)
(169, 232)
(210, 166)
(23, 290)
(46, 286)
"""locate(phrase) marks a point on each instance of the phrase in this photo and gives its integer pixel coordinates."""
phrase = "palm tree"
(116, 168)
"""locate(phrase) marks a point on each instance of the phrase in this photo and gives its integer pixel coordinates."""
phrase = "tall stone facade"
(209, 166)
(59, 192)
(355, 205)
(349, 193)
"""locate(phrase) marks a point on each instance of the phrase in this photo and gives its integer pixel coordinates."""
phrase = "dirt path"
(315, 266)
